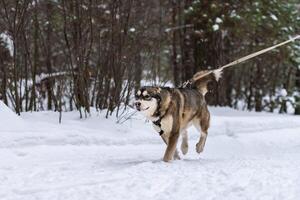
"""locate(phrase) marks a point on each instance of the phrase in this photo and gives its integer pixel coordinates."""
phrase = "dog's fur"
(173, 110)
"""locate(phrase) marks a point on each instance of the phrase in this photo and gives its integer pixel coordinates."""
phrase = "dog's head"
(147, 100)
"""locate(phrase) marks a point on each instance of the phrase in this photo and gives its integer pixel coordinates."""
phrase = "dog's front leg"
(171, 146)
(166, 139)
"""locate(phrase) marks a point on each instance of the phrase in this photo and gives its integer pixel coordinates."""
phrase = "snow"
(43, 76)
(247, 156)
(8, 119)
(274, 17)
(8, 41)
(189, 10)
(215, 27)
(219, 20)
(132, 29)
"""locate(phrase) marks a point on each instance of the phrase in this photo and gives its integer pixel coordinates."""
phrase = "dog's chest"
(164, 125)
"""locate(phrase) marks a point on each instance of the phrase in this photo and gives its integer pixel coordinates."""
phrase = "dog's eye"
(147, 97)
(137, 96)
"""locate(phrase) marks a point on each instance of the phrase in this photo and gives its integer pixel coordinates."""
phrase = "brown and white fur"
(173, 110)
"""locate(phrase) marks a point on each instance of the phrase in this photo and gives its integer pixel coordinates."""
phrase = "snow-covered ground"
(247, 156)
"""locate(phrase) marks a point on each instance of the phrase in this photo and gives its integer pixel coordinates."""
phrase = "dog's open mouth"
(143, 109)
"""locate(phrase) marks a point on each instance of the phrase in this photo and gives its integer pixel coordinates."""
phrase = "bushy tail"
(201, 79)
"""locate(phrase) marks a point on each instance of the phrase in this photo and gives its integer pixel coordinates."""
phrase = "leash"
(243, 59)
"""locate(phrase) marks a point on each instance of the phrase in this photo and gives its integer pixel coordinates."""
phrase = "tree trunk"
(49, 83)
(188, 62)
(176, 70)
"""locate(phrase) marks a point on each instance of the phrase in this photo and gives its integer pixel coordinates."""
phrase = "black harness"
(158, 114)
(158, 123)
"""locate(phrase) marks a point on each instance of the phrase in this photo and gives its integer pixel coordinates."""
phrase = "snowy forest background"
(63, 55)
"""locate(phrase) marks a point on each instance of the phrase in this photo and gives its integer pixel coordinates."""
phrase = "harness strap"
(158, 123)
(161, 132)
(158, 114)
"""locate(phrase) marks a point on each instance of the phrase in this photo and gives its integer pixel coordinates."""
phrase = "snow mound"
(8, 119)
(247, 155)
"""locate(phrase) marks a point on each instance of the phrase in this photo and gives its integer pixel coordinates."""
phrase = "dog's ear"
(157, 89)
(157, 93)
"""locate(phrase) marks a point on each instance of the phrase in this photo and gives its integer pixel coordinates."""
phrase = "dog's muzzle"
(138, 105)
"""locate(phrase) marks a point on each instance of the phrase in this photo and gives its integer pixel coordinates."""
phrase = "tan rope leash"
(243, 59)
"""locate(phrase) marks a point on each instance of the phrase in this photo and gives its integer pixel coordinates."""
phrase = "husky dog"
(173, 110)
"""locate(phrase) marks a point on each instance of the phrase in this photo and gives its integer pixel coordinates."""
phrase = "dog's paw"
(184, 148)
(176, 156)
(165, 159)
(199, 147)
(168, 157)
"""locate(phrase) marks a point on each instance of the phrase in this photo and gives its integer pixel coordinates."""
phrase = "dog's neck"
(162, 108)
(158, 116)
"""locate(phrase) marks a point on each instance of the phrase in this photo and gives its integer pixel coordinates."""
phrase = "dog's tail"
(201, 79)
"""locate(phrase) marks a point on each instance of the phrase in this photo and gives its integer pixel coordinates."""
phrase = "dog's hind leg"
(202, 126)
(200, 145)
(184, 143)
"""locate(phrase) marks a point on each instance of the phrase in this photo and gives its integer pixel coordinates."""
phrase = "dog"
(173, 110)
